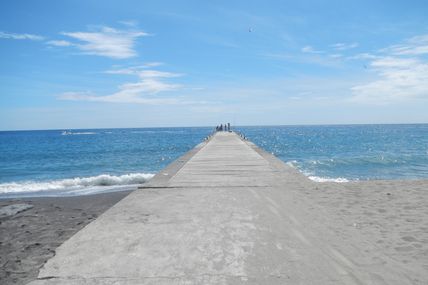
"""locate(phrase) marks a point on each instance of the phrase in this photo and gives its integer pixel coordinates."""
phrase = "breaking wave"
(295, 165)
(93, 184)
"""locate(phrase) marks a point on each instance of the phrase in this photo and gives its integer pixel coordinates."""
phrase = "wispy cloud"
(414, 46)
(325, 60)
(105, 41)
(144, 74)
(59, 43)
(343, 46)
(150, 83)
(153, 64)
(129, 23)
(401, 73)
(133, 70)
(310, 49)
(334, 52)
(4, 35)
(364, 55)
(118, 97)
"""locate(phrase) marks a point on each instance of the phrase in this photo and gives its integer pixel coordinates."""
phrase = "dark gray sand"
(29, 238)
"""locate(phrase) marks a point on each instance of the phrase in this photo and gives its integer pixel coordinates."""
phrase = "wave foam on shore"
(326, 179)
(312, 177)
(93, 184)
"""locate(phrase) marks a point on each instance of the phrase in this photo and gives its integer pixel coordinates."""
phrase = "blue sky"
(94, 64)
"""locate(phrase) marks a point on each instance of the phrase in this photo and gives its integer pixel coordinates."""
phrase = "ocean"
(79, 162)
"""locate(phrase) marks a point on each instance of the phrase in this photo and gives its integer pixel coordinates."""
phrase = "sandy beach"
(381, 218)
(384, 220)
(29, 238)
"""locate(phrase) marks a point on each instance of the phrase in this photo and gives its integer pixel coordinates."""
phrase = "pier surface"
(225, 213)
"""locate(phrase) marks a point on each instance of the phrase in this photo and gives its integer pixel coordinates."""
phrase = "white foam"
(95, 183)
(326, 179)
(294, 164)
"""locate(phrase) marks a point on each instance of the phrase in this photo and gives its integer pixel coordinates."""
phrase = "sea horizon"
(213, 126)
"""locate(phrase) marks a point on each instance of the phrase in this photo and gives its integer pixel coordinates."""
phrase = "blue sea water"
(343, 153)
(76, 162)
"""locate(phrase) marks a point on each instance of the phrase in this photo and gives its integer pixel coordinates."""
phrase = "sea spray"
(74, 183)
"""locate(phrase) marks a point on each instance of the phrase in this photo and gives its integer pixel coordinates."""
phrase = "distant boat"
(66, 133)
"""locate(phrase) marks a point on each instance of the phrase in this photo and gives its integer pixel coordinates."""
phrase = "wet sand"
(29, 238)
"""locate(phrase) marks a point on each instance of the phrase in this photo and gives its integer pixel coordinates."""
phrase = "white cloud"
(398, 79)
(59, 43)
(153, 64)
(150, 83)
(308, 58)
(108, 42)
(414, 46)
(135, 70)
(144, 73)
(363, 56)
(344, 46)
(157, 74)
(13, 36)
(118, 97)
(320, 56)
(147, 86)
(310, 49)
(129, 23)
(394, 62)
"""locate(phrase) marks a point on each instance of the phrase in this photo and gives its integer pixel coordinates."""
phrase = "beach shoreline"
(29, 238)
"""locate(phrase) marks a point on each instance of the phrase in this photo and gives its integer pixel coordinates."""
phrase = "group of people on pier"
(221, 128)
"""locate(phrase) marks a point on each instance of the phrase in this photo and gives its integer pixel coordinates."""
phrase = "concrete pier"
(225, 213)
